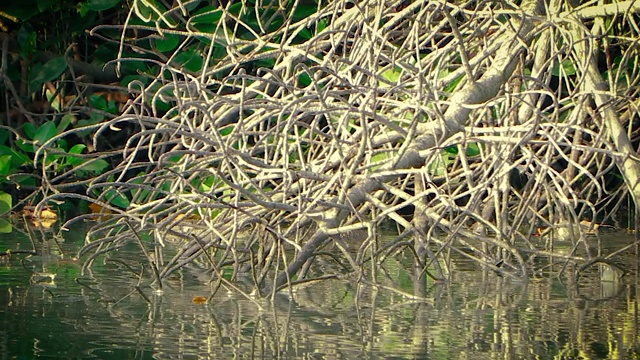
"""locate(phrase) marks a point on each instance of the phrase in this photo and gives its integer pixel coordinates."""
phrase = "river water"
(478, 314)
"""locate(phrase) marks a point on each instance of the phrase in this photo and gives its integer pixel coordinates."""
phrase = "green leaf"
(98, 102)
(20, 10)
(303, 12)
(168, 43)
(18, 158)
(112, 107)
(4, 136)
(5, 227)
(45, 132)
(44, 5)
(226, 130)
(6, 203)
(5, 166)
(266, 63)
(305, 34)
(101, 5)
(322, 24)
(162, 106)
(174, 159)
(149, 10)
(52, 158)
(473, 149)
(453, 150)
(235, 8)
(77, 149)
(29, 46)
(304, 80)
(209, 183)
(97, 165)
(27, 40)
(381, 156)
(566, 68)
(114, 198)
(142, 195)
(104, 53)
(439, 165)
(454, 84)
(83, 9)
(27, 147)
(129, 78)
(66, 120)
(51, 70)
(74, 161)
(95, 118)
(24, 180)
(191, 60)
(30, 130)
(54, 101)
(207, 15)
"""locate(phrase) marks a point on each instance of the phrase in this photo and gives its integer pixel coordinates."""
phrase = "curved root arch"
(285, 154)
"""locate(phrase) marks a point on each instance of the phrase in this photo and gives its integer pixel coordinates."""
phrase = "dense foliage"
(52, 80)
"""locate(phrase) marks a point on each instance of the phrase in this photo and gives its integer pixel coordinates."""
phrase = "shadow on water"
(48, 309)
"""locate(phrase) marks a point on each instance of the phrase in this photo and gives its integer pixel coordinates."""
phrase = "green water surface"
(478, 314)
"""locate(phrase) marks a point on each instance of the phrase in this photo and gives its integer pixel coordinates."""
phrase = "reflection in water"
(476, 315)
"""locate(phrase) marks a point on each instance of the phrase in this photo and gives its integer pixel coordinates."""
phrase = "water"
(477, 315)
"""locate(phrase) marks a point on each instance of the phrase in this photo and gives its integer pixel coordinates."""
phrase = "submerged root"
(436, 118)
